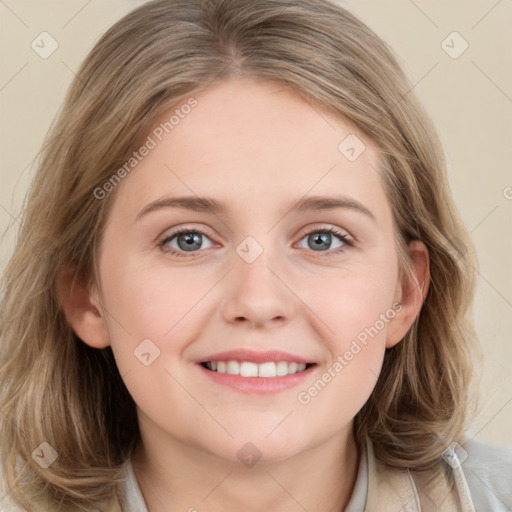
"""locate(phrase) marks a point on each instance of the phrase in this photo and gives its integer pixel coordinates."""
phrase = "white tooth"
(214, 365)
(292, 368)
(301, 367)
(281, 368)
(233, 368)
(248, 369)
(221, 366)
(267, 369)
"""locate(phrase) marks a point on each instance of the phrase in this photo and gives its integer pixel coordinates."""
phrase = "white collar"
(133, 500)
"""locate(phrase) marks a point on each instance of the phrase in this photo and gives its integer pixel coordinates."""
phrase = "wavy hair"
(56, 389)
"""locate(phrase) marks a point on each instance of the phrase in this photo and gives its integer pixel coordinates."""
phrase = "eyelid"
(325, 227)
(176, 230)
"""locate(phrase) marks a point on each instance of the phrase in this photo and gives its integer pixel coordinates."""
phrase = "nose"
(258, 296)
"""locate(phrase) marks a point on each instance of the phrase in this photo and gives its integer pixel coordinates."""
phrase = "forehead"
(246, 142)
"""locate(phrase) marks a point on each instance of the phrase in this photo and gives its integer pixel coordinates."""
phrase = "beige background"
(469, 99)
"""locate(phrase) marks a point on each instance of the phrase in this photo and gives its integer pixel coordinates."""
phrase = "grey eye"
(187, 241)
(321, 240)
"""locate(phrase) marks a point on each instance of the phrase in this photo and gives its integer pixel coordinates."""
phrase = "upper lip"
(255, 356)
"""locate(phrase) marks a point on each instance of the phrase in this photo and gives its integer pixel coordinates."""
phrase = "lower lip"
(258, 385)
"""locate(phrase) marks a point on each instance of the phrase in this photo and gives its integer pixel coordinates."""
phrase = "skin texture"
(256, 147)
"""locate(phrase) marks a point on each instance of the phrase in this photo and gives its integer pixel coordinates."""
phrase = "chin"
(259, 450)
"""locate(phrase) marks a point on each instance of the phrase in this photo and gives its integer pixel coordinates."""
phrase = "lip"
(257, 385)
(255, 357)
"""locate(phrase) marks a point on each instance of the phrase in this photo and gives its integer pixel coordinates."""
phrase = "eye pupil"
(324, 239)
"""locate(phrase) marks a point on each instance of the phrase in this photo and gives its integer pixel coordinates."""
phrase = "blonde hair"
(56, 389)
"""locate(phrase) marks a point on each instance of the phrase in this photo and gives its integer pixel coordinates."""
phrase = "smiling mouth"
(250, 369)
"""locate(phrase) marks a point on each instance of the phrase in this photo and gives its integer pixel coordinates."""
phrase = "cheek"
(349, 303)
(355, 309)
(141, 304)
(150, 301)
(357, 312)
(161, 306)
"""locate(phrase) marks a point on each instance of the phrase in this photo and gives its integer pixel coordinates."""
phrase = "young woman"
(241, 282)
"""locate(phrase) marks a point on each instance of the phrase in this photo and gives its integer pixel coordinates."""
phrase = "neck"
(183, 478)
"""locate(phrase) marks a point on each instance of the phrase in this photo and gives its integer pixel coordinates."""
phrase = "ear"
(82, 309)
(410, 293)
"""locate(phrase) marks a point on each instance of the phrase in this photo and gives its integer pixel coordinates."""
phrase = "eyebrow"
(210, 205)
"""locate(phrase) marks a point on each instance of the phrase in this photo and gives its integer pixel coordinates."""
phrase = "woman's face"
(255, 277)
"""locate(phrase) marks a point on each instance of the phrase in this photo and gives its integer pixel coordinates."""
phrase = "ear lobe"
(81, 308)
(411, 293)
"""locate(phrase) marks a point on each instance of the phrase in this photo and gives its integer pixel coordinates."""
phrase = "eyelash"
(183, 254)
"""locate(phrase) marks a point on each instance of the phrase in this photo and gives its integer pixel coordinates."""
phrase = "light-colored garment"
(475, 477)
(134, 502)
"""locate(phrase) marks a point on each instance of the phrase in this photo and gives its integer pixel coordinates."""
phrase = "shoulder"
(43, 503)
(6, 502)
(131, 495)
(488, 472)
